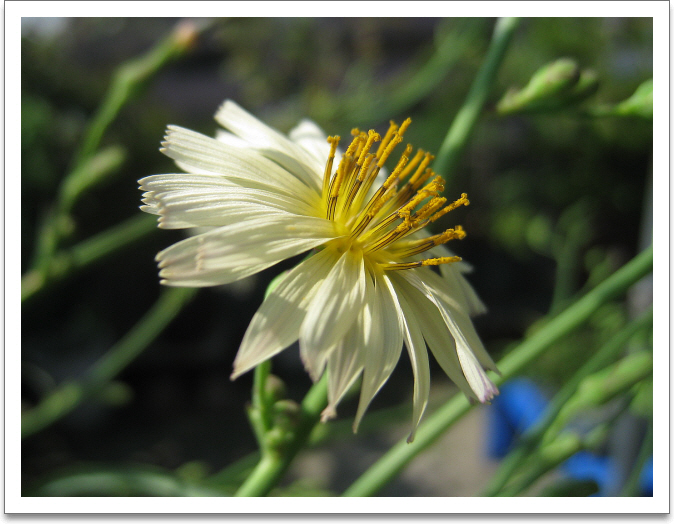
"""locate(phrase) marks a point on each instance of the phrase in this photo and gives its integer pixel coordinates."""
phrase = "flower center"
(403, 204)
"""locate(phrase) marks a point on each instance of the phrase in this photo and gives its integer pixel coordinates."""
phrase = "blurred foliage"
(557, 200)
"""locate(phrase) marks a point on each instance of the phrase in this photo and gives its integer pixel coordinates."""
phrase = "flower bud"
(546, 85)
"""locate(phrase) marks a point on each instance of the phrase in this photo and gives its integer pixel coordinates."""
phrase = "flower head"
(368, 287)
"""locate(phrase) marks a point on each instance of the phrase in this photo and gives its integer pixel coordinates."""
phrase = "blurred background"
(559, 200)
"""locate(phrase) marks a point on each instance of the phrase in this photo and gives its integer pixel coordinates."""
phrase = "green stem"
(389, 465)
(531, 438)
(65, 262)
(128, 79)
(69, 395)
(465, 119)
(260, 412)
(553, 454)
(274, 463)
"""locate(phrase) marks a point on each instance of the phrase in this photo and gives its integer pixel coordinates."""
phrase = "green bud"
(286, 419)
(275, 388)
(286, 414)
(546, 84)
(640, 104)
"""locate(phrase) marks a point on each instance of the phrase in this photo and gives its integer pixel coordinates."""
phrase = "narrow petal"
(384, 340)
(270, 142)
(314, 141)
(434, 331)
(344, 365)
(458, 312)
(200, 154)
(458, 285)
(232, 252)
(460, 326)
(276, 324)
(333, 309)
(205, 200)
(416, 348)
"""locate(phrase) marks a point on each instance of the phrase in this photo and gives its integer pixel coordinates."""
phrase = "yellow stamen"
(393, 127)
(335, 185)
(389, 149)
(373, 137)
(353, 146)
(463, 201)
(412, 164)
(438, 261)
(333, 141)
(430, 208)
(395, 266)
(428, 158)
(404, 126)
(357, 182)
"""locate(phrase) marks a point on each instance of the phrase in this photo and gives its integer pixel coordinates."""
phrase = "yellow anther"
(428, 158)
(430, 208)
(449, 234)
(389, 149)
(372, 137)
(438, 261)
(463, 201)
(414, 202)
(333, 141)
(401, 164)
(404, 126)
(393, 127)
(366, 166)
(355, 131)
(435, 185)
(353, 147)
(413, 163)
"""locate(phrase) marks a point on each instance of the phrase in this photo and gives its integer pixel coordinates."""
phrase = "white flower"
(367, 289)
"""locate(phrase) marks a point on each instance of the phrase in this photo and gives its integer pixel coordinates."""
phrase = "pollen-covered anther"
(412, 164)
(440, 260)
(393, 127)
(334, 142)
(397, 266)
(430, 208)
(463, 201)
(389, 149)
(372, 137)
(404, 126)
(422, 169)
(450, 234)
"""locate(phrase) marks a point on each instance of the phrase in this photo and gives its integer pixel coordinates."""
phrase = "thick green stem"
(465, 119)
(69, 395)
(275, 462)
(387, 467)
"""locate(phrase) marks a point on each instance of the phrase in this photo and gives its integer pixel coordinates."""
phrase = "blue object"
(519, 406)
(646, 479)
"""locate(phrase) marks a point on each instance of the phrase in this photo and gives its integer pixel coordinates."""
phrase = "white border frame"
(14, 503)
